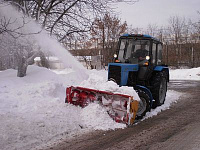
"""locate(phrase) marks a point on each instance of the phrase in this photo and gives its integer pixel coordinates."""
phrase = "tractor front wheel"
(144, 105)
(159, 89)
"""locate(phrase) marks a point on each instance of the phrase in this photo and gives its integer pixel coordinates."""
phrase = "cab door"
(156, 54)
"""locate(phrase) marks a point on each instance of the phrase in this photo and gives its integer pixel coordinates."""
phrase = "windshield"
(131, 49)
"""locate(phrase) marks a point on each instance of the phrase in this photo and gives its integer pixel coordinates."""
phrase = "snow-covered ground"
(185, 74)
(33, 112)
(32, 109)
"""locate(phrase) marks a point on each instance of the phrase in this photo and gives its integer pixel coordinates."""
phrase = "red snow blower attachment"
(122, 108)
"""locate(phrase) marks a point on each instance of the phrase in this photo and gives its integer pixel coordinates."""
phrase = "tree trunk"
(22, 67)
(44, 61)
(23, 62)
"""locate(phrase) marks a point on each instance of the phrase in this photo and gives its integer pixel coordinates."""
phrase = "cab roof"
(141, 36)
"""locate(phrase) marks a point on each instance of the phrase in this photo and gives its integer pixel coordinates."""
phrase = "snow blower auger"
(122, 108)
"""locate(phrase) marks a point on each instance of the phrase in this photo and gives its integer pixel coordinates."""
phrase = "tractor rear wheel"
(159, 88)
(144, 105)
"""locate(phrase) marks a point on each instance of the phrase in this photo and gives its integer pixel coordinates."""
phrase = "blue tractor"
(138, 64)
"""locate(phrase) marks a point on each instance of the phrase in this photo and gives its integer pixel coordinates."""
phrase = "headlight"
(115, 55)
(147, 57)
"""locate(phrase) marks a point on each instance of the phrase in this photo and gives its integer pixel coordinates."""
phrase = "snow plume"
(28, 32)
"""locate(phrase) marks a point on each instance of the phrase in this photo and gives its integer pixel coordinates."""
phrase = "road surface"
(175, 129)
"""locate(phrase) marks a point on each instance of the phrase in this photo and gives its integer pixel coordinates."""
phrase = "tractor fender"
(164, 69)
(160, 68)
(147, 91)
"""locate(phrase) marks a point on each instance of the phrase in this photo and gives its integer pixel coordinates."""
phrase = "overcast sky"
(157, 12)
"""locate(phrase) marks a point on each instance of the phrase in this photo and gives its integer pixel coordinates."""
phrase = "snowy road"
(174, 129)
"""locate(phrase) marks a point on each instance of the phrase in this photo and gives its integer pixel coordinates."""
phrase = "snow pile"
(95, 116)
(33, 112)
(100, 83)
(32, 109)
(171, 97)
(185, 74)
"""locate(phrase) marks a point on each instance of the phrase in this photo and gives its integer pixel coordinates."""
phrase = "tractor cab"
(139, 49)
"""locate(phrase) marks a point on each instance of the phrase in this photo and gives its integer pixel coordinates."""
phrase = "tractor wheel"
(159, 89)
(144, 105)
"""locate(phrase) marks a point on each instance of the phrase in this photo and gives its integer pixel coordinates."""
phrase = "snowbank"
(185, 74)
(33, 112)
(171, 97)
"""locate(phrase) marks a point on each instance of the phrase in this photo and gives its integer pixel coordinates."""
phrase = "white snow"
(33, 112)
(100, 83)
(185, 74)
(171, 97)
(96, 117)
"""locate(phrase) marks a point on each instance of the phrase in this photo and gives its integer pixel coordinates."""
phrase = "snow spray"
(42, 39)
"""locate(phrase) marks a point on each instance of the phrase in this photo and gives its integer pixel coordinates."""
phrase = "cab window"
(159, 61)
(154, 53)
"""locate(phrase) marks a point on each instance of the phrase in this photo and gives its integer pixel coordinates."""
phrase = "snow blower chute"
(122, 108)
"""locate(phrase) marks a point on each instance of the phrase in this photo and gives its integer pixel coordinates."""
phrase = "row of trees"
(181, 39)
(66, 19)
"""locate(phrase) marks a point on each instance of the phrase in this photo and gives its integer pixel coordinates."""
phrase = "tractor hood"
(119, 72)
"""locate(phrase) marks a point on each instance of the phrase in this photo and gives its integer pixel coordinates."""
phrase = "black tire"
(144, 105)
(159, 88)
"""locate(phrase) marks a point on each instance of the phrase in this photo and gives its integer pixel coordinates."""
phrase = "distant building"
(54, 62)
(90, 58)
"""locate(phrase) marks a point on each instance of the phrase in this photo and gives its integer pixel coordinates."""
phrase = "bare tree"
(67, 19)
(152, 29)
(176, 29)
(180, 39)
(135, 30)
(107, 32)
(17, 49)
